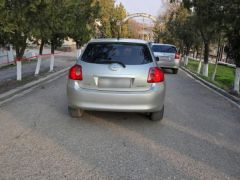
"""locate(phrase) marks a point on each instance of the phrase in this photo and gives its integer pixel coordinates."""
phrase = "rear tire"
(157, 116)
(175, 71)
(75, 113)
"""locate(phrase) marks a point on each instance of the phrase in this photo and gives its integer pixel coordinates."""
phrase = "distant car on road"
(116, 75)
(167, 56)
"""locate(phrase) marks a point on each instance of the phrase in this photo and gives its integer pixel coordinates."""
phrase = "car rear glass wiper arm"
(111, 62)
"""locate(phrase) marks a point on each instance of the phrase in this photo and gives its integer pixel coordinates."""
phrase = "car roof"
(161, 44)
(119, 40)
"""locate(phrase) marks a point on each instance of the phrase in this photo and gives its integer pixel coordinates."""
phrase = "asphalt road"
(199, 138)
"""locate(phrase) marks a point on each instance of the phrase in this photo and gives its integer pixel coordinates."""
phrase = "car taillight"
(177, 56)
(75, 73)
(155, 75)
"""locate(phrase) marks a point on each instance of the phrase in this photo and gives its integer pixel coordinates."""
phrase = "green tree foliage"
(217, 17)
(231, 9)
(81, 24)
(52, 21)
(206, 15)
(109, 15)
(57, 22)
(41, 32)
(178, 29)
(181, 25)
(161, 32)
(106, 17)
(16, 23)
(119, 14)
(3, 37)
(157, 32)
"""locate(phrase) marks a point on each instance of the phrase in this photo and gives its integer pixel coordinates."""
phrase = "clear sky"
(152, 7)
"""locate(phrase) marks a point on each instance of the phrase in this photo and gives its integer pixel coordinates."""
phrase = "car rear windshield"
(164, 48)
(126, 53)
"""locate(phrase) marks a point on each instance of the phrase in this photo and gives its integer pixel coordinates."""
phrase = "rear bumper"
(147, 101)
(169, 64)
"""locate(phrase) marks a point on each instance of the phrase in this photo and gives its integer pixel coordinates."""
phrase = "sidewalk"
(8, 74)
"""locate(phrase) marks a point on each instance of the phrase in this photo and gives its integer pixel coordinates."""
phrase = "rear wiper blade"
(111, 62)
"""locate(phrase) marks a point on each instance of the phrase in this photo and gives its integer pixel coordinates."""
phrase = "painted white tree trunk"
(237, 79)
(19, 70)
(200, 59)
(185, 60)
(79, 52)
(199, 67)
(214, 72)
(205, 69)
(181, 62)
(52, 62)
(38, 65)
(10, 55)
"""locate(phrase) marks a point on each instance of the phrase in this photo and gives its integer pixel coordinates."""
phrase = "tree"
(16, 23)
(156, 32)
(119, 14)
(81, 23)
(41, 31)
(57, 22)
(3, 28)
(181, 24)
(231, 9)
(205, 14)
(161, 29)
(179, 29)
(57, 25)
(106, 17)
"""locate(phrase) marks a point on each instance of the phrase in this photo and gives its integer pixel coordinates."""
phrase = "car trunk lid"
(165, 56)
(113, 77)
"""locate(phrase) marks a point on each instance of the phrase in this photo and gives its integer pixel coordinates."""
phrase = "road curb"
(212, 86)
(31, 85)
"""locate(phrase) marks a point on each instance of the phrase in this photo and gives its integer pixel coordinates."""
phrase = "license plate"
(165, 58)
(114, 82)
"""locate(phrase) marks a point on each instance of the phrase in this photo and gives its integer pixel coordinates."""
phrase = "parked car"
(167, 56)
(116, 75)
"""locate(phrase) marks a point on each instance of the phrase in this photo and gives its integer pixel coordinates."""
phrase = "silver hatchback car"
(167, 56)
(116, 75)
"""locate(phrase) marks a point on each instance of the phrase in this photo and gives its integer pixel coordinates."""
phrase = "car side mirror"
(157, 59)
